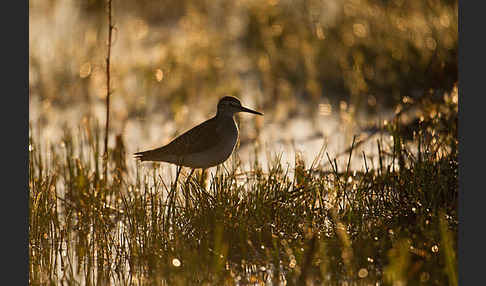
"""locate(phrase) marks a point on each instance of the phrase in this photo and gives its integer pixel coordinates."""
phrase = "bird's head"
(229, 105)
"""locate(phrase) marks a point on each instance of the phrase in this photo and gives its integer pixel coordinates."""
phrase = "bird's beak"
(244, 109)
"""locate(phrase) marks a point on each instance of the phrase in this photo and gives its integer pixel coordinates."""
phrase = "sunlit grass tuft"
(393, 223)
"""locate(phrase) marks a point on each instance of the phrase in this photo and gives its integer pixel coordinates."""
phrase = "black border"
(15, 159)
(471, 143)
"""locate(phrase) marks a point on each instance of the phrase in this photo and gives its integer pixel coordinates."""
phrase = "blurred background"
(321, 71)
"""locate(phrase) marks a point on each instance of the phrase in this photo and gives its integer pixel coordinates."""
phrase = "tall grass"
(394, 223)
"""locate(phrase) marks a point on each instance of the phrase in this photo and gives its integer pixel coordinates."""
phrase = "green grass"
(393, 223)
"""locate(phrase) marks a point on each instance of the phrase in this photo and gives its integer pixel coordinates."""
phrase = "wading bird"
(206, 145)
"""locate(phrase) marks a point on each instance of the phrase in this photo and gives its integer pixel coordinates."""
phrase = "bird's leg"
(172, 193)
(179, 168)
(186, 188)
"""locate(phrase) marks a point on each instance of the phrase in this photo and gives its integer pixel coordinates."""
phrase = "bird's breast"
(229, 137)
(227, 132)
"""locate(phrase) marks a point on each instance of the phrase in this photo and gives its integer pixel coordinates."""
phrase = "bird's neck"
(223, 114)
(225, 122)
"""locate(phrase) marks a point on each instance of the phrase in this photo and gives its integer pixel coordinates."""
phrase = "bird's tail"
(150, 155)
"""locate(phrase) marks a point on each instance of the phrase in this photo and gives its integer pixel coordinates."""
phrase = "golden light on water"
(85, 70)
(455, 95)
(292, 263)
(362, 273)
(176, 262)
(159, 74)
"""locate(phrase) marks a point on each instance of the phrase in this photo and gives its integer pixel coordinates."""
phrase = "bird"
(205, 145)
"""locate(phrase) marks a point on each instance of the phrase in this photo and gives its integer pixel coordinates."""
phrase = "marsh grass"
(394, 223)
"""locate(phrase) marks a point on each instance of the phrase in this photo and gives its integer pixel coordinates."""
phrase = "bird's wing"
(197, 139)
